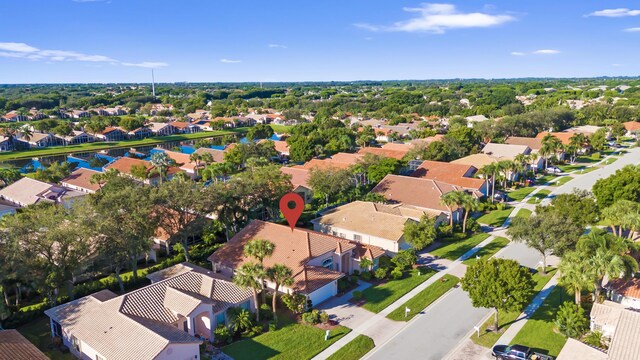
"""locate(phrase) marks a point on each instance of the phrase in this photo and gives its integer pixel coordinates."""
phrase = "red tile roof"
(532, 143)
(14, 346)
(565, 136)
(81, 178)
(124, 165)
(389, 153)
(627, 288)
(339, 161)
(449, 173)
(632, 125)
(299, 176)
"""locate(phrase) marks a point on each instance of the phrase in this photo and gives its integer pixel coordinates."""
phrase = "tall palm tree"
(470, 204)
(259, 249)
(621, 215)
(533, 157)
(161, 162)
(550, 145)
(504, 167)
(490, 171)
(576, 142)
(451, 199)
(605, 263)
(248, 276)
(280, 275)
(576, 274)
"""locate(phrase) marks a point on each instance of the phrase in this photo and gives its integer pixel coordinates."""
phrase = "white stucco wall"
(323, 293)
(386, 244)
(180, 352)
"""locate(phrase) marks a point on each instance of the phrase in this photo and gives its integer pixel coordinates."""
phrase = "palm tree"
(550, 145)
(161, 162)
(575, 274)
(248, 276)
(470, 204)
(605, 263)
(621, 215)
(196, 158)
(279, 274)
(504, 167)
(451, 199)
(490, 171)
(259, 249)
(217, 170)
(576, 142)
(533, 157)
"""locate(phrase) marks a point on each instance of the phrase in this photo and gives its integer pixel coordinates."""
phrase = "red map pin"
(292, 213)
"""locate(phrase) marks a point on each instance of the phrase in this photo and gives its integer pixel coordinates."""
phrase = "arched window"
(328, 263)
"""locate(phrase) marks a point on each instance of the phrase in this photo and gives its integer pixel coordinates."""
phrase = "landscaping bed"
(380, 296)
(424, 298)
(355, 349)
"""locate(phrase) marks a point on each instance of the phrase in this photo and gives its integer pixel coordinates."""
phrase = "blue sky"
(53, 41)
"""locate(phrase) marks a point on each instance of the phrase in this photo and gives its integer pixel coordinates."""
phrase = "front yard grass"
(456, 248)
(537, 197)
(545, 179)
(563, 180)
(524, 213)
(505, 319)
(355, 349)
(380, 296)
(571, 167)
(38, 332)
(488, 250)
(610, 161)
(539, 332)
(424, 298)
(292, 342)
(495, 218)
(520, 194)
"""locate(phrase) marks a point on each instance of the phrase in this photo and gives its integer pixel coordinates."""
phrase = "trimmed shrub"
(380, 273)
(266, 312)
(324, 317)
(312, 317)
(571, 320)
(396, 274)
(385, 262)
(222, 334)
(366, 276)
(273, 325)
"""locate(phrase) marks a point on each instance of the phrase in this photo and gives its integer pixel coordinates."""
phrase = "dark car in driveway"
(517, 352)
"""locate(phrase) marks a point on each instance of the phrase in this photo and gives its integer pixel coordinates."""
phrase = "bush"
(294, 302)
(324, 317)
(501, 206)
(571, 320)
(266, 312)
(596, 339)
(380, 273)
(312, 317)
(405, 259)
(385, 262)
(356, 272)
(222, 334)
(366, 275)
(273, 325)
(396, 274)
(596, 156)
(472, 225)
(254, 331)
(444, 231)
(357, 295)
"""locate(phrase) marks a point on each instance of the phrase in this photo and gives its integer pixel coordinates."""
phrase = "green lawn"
(524, 213)
(424, 298)
(488, 339)
(539, 332)
(587, 170)
(518, 195)
(102, 145)
(380, 296)
(563, 180)
(294, 342)
(281, 128)
(454, 249)
(488, 250)
(537, 197)
(355, 349)
(571, 167)
(495, 218)
(545, 179)
(39, 333)
(610, 161)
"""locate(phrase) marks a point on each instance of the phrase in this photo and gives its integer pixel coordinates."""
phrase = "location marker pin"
(291, 214)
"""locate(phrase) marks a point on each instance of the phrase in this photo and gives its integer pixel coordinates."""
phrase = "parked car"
(517, 352)
(554, 170)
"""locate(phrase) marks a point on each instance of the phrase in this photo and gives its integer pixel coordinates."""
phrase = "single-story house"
(300, 181)
(633, 128)
(185, 127)
(535, 144)
(184, 163)
(336, 161)
(454, 174)
(510, 151)
(14, 346)
(77, 114)
(28, 191)
(424, 194)
(369, 223)
(80, 180)
(619, 324)
(216, 155)
(125, 165)
(385, 152)
(625, 292)
(77, 137)
(14, 116)
(39, 140)
(112, 134)
(165, 320)
(140, 133)
(318, 260)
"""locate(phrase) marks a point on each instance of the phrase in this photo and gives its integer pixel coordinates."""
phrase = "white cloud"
(633, 29)
(619, 12)
(546, 52)
(17, 47)
(228, 61)
(277, 46)
(517, 53)
(437, 18)
(22, 50)
(147, 64)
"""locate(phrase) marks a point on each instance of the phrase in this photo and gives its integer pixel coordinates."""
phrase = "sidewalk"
(377, 326)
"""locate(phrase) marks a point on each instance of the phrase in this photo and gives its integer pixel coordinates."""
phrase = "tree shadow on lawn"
(529, 311)
(250, 349)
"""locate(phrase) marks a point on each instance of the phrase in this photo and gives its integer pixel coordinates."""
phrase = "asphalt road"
(586, 181)
(433, 334)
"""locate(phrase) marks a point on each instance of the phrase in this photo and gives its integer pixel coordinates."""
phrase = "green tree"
(571, 320)
(599, 139)
(575, 274)
(259, 249)
(450, 200)
(365, 136)
(405, 259)
(259, 131)
(622, 215)
(280, 275)
(579, 206)
(420, 234)
(500, 284)
(248, 276)
(330, 182)
(624, 184)
(547, 233)
(161, 163)
(618, 130)
(130, 123)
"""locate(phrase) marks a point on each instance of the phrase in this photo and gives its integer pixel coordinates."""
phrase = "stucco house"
(165, 320)
(318, 260)
(27, 191)
(300, 181)
(625, 292)
(619, 325)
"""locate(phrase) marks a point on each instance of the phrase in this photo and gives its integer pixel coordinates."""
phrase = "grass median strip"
(380, 296)
(355, 349)
(562, 181)
(520, 194)
(454, 249)
(505, 319)
(488, 250)
(524, 213)
(495, 218)
(537, 197)
(424, 298)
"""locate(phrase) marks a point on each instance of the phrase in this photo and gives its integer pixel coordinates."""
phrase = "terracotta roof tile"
(81, 178)
(14, 346)
(628, 288)
(299, 176)
(450, 173)
(632, 125)
(532, 143)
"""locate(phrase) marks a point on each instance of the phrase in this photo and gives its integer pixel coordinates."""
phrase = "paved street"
(587, 180)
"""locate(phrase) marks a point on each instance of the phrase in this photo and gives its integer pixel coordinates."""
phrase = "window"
(220, 319)
(357, 237)
(328, 263)
(57, 329)
(76, 343)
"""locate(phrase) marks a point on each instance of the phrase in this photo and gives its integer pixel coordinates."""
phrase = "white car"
(553, 169)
